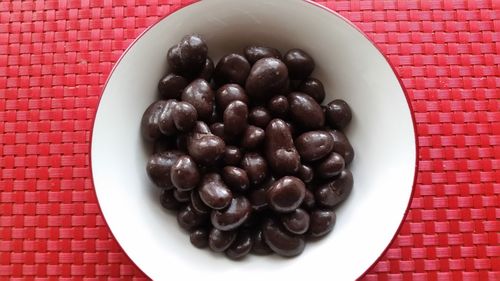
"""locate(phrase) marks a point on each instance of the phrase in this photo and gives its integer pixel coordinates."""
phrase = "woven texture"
(55, 57)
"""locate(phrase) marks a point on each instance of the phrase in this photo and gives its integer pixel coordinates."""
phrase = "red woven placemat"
(55, 57)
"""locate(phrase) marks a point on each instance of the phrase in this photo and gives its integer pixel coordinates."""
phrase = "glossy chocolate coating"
(232, 68)
(258, 197)
(235, 118)
(253, 137)
(332, 193)
(286, 194)
(233, 216)
(236, 178)
(296, 222)
(305, 111)
(255, 53)
(278, 106)
(199, 94)
(281, 154)
(322, 222)
(314, 88)
(299, 63)
(159, 165)
(282, 243)
(259, 246)
(342, 146)
(205, 149)
(198, 205)
(330, 166)
(208, 70)
(171, 86)
(189, 219)
(214, 192)
(256, 167)
(229, 93)
(306, 173)
(168, 201)
(184, 116)
(201, 128)
(314, 145)
(174, 60)
(184, 174)
(150, 122)
(166, 119)
(241, 246)
(189, 56)
(338, 114)
(259, 116)
(182, 196)
(267, 76)
(232, 155)
(199, 238)
(219, 240)
(217, 129)
(309, 202)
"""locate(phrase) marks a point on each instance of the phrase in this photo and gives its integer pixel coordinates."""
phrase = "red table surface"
(54, 60)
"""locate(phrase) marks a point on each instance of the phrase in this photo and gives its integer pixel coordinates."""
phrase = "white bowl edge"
(381, 132)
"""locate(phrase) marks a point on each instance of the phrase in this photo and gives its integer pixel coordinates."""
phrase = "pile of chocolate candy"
(244, 152)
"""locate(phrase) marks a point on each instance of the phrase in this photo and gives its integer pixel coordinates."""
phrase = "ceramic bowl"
(351, 68)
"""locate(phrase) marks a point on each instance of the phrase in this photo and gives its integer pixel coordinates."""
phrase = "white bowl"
(351, 68)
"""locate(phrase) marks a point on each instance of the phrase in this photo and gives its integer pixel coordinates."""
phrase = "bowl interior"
(350, 67)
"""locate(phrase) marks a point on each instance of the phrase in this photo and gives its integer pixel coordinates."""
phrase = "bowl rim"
(334, 13)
